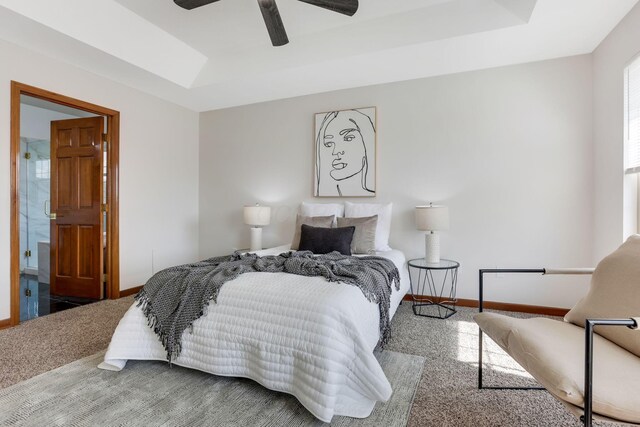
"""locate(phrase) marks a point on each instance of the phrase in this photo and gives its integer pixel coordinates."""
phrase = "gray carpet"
(154, 394)
(446, 394)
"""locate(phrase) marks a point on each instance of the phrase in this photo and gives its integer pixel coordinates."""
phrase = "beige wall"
(158, 172)
(509, 150)
(610, 200)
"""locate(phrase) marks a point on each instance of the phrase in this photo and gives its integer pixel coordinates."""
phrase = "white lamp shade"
(257, 215)
(432, 218)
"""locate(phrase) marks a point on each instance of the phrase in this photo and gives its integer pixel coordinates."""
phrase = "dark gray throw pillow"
(315, 221)
(321, 240)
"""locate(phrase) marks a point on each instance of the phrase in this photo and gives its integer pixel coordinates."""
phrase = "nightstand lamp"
(257, 217)
(431, 219)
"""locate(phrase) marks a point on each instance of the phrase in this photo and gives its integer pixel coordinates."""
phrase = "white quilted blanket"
(295, 334)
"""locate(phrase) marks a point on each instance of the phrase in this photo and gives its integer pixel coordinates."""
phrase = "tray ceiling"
(220, 55)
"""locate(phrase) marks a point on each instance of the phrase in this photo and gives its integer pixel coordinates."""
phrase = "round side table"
(436, 298)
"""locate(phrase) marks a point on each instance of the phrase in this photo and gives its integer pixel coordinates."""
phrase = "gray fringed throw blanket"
(174, 298)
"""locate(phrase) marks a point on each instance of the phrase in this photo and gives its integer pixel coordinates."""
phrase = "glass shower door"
(34, 223)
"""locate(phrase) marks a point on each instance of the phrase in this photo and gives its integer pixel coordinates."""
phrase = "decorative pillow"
(316, 221)
(364, 238)
(320, 240)
(614, 293)
(322, 209)
(383, 229)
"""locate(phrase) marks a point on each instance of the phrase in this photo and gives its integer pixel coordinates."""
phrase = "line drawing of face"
(342, 136)
(343, 142)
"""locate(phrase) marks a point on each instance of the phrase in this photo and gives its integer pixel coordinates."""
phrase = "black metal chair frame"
(587, 418)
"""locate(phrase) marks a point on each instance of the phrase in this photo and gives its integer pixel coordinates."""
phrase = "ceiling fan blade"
(346, 7)
(192, 4)
(274, 24)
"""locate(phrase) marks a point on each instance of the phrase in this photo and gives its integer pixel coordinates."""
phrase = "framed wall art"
(345, 143)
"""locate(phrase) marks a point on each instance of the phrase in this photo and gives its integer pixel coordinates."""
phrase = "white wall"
(609, 61)
(158, 169)
(509, 150)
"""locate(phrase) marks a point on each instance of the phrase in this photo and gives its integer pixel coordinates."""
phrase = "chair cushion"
(614, 293)
(553, 353)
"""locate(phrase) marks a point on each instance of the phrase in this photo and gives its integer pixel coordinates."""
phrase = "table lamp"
(432, 218)
(257, 217)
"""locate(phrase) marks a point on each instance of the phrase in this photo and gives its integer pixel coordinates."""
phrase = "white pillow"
(322, 209)
(383, 229)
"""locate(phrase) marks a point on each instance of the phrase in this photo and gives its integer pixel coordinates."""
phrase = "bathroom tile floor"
(36, 299)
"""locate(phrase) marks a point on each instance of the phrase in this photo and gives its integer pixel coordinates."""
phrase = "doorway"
(64, 206)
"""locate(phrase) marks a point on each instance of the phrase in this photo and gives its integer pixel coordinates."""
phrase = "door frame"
(112, 260)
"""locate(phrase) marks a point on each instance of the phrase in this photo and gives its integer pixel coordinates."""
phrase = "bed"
(294, 334)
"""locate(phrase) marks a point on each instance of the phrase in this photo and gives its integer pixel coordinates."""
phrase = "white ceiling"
(220, 55)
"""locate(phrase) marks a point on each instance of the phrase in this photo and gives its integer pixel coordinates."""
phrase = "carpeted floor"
(45, 343)
(446, 395)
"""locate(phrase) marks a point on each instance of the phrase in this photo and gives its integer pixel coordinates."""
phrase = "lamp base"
(432, 248)
(256, 239)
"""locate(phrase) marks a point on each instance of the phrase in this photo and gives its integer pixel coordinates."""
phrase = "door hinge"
(104, 138)
(27, 155)
(27, 292)
(27, 253)
(104, 207)
(105, 277)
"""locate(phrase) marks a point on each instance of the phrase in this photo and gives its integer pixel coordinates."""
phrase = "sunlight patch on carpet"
(494, 357)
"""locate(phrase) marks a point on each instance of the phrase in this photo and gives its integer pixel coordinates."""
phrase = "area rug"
(154, 394)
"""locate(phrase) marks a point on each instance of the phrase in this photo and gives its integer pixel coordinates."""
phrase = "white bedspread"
(295, 334)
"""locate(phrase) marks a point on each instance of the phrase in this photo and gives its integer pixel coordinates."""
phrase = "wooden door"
(76, 199)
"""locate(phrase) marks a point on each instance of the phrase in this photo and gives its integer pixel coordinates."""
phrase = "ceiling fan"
(271, 16)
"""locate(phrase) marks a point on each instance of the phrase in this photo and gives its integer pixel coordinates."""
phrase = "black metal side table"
(427, 293)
